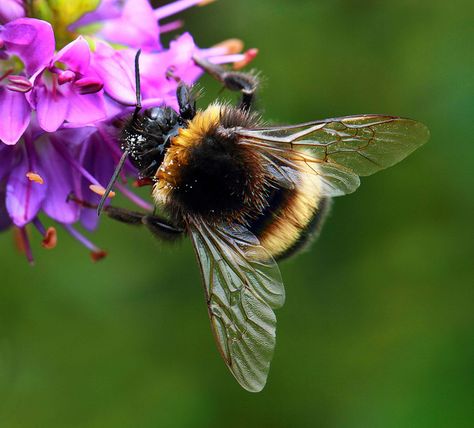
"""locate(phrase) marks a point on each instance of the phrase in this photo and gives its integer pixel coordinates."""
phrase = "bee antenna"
(138, 94)
(125, 154)
(112, 181)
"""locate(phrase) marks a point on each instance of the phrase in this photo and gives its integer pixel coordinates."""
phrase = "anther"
(98, 255)
(99, 190)
(50, 239)
(19, 84)
(232, 46)
(88, 85)
(205, 2)
(249, 56)
(33, 176)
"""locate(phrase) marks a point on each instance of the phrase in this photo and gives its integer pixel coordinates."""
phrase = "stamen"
(74, 163)
(170, 26)
(178, 6)
(99, 190)
(23, 243)
(134, 198)
(39, 226)
(249, 56)
(229, 47)
(54, 89)
(96, 253)
(33, 176)
(31, 158)
(227, 59)
(6, 74)
(73, 198)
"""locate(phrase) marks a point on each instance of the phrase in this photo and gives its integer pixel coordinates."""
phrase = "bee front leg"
(186, 101)
(245, 83)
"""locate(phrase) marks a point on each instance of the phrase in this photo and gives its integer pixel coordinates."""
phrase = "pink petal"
(51, 108)
(62, 180)
(88, 85)
(85, 109)
(100, 162)
(115, 68)
(10, 10)
(76, 55)
(136, 27)
(153, 67)
(75, 137)
(32, 40)
(7, 154)
(107, 9)
(23, 196)
(15, 114)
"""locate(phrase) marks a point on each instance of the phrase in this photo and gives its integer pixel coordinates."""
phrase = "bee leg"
(246, 83)
(159, 227)
(123, 215)
(186, 101)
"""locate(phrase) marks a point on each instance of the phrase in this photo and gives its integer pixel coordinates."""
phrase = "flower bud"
(88, 85)
(19, 84)
(66, 76)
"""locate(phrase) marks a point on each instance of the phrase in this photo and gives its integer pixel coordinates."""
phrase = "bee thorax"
(207, 172)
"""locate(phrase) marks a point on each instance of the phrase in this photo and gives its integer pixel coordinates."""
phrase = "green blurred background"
(377, 327)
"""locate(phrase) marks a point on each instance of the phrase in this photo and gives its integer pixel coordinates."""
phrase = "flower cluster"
(62, 86)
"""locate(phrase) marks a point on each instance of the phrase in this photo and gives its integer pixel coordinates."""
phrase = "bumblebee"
(248, 195)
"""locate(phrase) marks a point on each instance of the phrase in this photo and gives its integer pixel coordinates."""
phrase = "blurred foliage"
(61, 14)
(377, 328)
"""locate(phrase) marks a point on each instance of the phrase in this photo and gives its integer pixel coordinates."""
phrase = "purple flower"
(39, 175)
(59, 147)
(32, 41)
(134, 23)
(71, 93)
(10, 10)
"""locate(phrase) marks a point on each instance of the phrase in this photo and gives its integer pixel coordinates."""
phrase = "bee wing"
(243, 285)
(338, 150)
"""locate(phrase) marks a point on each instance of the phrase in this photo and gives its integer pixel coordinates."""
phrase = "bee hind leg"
(159, 227)
(245, 83)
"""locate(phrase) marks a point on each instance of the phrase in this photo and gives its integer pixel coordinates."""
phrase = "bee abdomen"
(291, 221)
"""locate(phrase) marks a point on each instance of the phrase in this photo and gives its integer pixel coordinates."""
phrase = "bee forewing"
(359, 144)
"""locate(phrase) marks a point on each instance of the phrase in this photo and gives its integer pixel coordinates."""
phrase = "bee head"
(146, 138)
